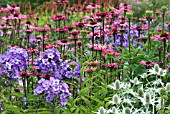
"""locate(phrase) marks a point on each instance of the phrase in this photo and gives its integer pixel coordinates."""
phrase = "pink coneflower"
(58, 18)
(111, 65)
(61, 30)
(17, 89)
(93, 24)
(98, 47)
(164, 36)
(75, 32)
(79, 24)
(108, 51)
(69, 27)
(63, 42)
(61, 1)
(75, 37)
(32, 50)
(90, 70)
(39, 38)
(102, 14)
(49, 46)
(95, 63)
(44, 29)
(93, 7)
(156, 37)
(147, 63)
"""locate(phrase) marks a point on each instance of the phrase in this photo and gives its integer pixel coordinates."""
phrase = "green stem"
(149, 40)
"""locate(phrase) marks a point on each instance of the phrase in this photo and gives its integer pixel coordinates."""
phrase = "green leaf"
(97, 100)
(86, 100)
(84, 90)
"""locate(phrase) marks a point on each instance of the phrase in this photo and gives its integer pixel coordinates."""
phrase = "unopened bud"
(135, 80)
(156, 67)
(102, 110)
(127, 110)
(147, 98)
(129, 14)
(164, 8)
(117, 84)
(116, 99)
(149, 13)
(140, 92)
(168, 87)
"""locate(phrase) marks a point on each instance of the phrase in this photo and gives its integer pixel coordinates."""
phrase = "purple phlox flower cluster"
(13, 61)
(52, 88)
(63, 71)
(50, 62)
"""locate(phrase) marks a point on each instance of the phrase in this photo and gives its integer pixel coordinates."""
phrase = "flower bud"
(117, 84)
(168, 87)
(161, 72)
(164, 8)
(147, 98)
(102, 110)
(115, 99)
(135, 80)
(114, 110)
(127, 110)
(149, 13)
(156, 67)
(140, 92)
(129, 14)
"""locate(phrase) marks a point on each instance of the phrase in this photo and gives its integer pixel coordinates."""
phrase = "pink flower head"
(79, 24)
(95, 63)
(63, 42)
(49, 46)
(156, 37)
(111, 65)
(93, 24)
(90, 70)
(147, 63)
(93, 7)
(108, 51)
(58, 18)
(75, 32)
(61, 30)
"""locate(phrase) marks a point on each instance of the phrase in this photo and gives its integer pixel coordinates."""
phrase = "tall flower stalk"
(148, 15)
(164, 9)
(129, 16)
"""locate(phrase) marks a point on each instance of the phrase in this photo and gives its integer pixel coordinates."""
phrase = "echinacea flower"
(90, 70)
(95, 63)
(147, 63)
(63, 42)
